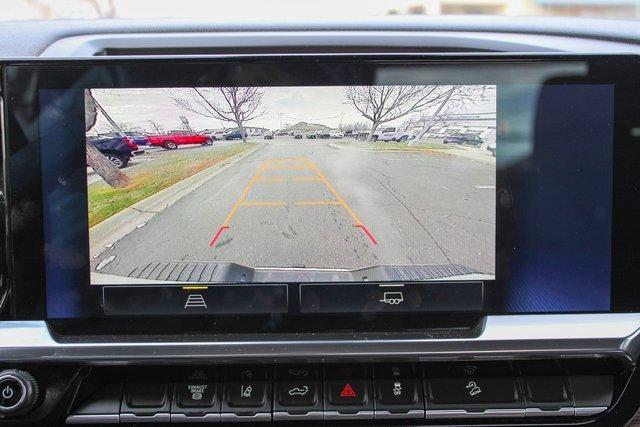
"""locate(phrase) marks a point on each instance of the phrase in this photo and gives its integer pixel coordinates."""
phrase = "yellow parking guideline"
(333, 191)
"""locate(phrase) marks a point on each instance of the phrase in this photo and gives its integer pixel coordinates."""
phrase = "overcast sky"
(281, 105)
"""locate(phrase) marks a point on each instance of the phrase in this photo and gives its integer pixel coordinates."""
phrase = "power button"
(18, 392)
(12, 393)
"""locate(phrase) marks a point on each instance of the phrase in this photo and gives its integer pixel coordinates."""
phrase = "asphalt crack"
(387, 186)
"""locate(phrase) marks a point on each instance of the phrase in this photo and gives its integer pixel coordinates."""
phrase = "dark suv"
(118, 149)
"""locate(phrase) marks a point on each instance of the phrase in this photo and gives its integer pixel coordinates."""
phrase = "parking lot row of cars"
(120, 148)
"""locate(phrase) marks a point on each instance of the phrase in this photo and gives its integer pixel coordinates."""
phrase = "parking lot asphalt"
(302, 203)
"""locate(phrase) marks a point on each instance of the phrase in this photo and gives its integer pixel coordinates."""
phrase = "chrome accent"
(337, 415)
(560, 412)
(89, 45)
(590, 411)
(161, 417)
(184, 418)
(230, 417)
(461, 413)
(508, 336)
(388, 415)
(285, 416)
(94, 419)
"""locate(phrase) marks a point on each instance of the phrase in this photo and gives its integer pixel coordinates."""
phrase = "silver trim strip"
(184, 418)
(260, 416)
(337, 415)
(285, 416)
(387, 415)
(88, 45)
(508, 336)
(560, 412)
(590, 411)
(94, 419)
(161, 417)
(461, 413)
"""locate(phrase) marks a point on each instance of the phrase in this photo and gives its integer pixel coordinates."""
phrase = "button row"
(389, 391)
(313, 298)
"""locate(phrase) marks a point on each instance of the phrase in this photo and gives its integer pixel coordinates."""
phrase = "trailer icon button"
(392, 298)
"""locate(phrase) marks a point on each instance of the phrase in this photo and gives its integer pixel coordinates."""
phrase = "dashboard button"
(12, 392)
(18, 392)
(146, 395)
(398, 392)
(546, 390)
(347, 392)
(249, 394)
(297, 393)
(480, 390)
(196, 395)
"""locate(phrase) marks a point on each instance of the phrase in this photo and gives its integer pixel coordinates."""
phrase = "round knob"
(18, 392)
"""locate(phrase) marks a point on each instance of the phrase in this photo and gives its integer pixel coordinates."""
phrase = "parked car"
(336, 134)
(233, 134)
(118, 149)
(463, 139)
(312, 134)
(138, 137)
(268, 135)
(216, 135)
(324, 134)
(173, 139)
(392, 134)
(297, 135)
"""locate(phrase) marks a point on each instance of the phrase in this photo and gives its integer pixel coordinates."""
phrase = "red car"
(171, 140)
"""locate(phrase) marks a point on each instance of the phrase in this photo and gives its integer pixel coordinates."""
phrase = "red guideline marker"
(348, 391)
(368, 233)
(217, 235)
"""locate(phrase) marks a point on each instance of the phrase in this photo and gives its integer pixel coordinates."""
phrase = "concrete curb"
(460, 152)
(114, 228)
(383, 150)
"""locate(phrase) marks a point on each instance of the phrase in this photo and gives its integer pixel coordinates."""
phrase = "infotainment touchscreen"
(306, 191)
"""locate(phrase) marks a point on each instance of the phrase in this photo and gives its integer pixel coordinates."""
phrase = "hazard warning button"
(347, 392)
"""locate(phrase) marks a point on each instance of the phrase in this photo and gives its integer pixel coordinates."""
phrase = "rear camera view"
(209, 185)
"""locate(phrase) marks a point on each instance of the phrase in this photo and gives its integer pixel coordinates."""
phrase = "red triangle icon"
(348, 391)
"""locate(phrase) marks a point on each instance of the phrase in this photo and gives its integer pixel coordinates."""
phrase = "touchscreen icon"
(392, 298)
(195, 301)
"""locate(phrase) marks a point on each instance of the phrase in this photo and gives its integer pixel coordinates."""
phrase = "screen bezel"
(23, 79)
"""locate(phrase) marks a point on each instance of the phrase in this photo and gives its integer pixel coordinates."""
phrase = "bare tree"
(98, 161)
(229, 104)
(454, 98)
(382, 104)
(156, 127)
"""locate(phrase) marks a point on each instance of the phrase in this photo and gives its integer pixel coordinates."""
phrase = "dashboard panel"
(536, 324)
